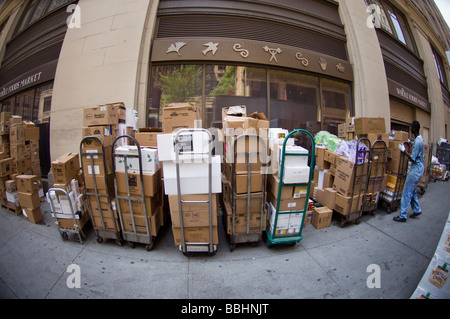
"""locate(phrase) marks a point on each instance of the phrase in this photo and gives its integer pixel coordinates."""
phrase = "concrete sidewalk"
(328, 263)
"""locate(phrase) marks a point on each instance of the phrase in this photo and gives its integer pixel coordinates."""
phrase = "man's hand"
(401, 147)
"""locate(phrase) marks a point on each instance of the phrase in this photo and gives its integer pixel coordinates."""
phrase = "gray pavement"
(329, 263)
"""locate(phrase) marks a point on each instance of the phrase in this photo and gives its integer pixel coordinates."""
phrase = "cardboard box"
(194, 177)
(342, 204)
(33, 215)
(152, 183)
(100, 115)
(321, 217)
(29, 200)
(28, 183)
(236, 110)
(105, 132)
(31, 133)
(151, 204)
(321, 163)
(286, 224)
(192, 146)
(287, 192)
(149, 159)
(102, 184)
(154, 222)
(401, 136)
(148, 136)
(325, 196)
(195, 235)
(295, 174)
(6, 167)
(367, 125)
(256, 223)
(17, 134)
(65, 168)
(194, 214)
(291, 204)
(180, 115)
(346, 172)
(68, 223)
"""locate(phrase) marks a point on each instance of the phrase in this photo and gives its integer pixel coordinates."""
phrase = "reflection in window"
(398, 28)
(335, 101)
(294, 101)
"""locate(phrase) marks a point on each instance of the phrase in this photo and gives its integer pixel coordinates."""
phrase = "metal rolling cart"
(378, 160)
(423, 182)
(253, 235)
(361, 174)
(103, 230)
(131, 236)
(392, 198)
(76, 231)
(271, 236)
(181, 146)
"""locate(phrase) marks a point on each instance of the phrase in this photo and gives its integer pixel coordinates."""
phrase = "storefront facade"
(307, 64)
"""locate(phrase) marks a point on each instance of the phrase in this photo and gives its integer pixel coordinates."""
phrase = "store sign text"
(20, 84)
(402, 92)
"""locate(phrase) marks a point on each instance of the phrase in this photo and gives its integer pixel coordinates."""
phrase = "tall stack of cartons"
(153, 195)
(28, 187)
(193, 177)
(395, 161)
(67, 176)
(235, 122)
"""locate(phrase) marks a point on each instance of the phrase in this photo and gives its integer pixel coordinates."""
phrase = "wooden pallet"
(16, 211)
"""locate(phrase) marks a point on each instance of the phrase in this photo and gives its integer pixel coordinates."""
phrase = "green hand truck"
(275, 215)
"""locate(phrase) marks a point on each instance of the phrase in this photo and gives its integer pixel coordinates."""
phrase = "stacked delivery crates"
(244, 180)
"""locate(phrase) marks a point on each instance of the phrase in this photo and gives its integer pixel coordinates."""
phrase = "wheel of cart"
(377, 168)
(392, 197)
(359, 182)
(257, 149)
(188, 248)
(76, 231)
(105, 224)
(271, 236)
(130, 232)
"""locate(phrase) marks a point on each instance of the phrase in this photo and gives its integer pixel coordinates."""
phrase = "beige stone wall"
(371, 96)
(99, 63)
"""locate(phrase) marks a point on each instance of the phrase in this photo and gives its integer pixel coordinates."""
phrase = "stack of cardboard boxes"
(29, 188)
(194, 173)
(244, 156)
(292, 197)
(19, 154)
(337, 178)
(67, 176)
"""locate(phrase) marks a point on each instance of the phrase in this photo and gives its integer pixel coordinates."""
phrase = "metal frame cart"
(64, 232)
(392, 199)
(362, 165)
(423, 182)
(261, 152)
(195, 247)
(132, 237)
(378, 160)
(271, 237)
(101, 231)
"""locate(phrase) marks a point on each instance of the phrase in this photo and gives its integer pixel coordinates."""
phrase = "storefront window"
(335, 104)
(294, 100)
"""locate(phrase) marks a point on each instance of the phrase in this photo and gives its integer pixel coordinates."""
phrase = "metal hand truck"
(377, 168)
(64, 231)
(131, 236)
(392, 198)
(361, 173)
(423, 182)
(102, 230)
(230, 208)
(179, 144)
(271, 236)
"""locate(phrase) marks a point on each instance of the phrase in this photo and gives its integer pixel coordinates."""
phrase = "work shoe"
(399, 219)
(414, 215)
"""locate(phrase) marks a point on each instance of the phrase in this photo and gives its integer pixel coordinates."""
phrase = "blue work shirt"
(417, 165)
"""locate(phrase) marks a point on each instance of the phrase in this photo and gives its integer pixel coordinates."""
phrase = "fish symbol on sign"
(175, 47)
(213, 47)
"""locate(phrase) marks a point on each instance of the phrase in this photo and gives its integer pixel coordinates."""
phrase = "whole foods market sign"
(20, 84)
(41, 74)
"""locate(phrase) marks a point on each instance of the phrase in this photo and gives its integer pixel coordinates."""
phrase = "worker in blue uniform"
(409, 195)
